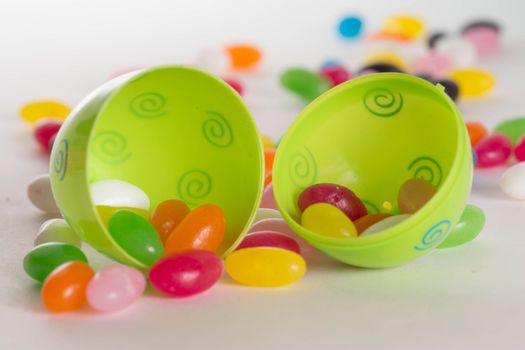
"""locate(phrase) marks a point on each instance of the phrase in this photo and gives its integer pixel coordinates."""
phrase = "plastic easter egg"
(136, 236)
(187, 273)
(484, 35)
(476, 131)
(328, 220)
(336, 195)
(118, 193)
(36, 110)
(519, 150)
(434, 63)
(514, 128)
(414, 194)
(366, 221)
(40, 194)
(304, 83)
(106, 212)
(202, 229)
(407, 26)
(460, 51)
(266, 213)
(268, 200)
(473, 82)
(44, 258)
(350, 27)
(385, 224)
(243, 57)
(235, 84)
(335, 74)
(467, 229)
(269, 239)
(265, 267)
(114, 288)
(493, 150)
(167, 216)
(512, 182)
(65, 288)
(44, 130)
(57, 230)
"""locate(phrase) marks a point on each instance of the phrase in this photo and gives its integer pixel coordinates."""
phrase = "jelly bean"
(467, 229)
(272, 224)
(44, 258)
(265, 267)
(434, 38)
(269, 239)
(513, 128)
(460, 51)
(203, 228)
(135, 235)
(266, 213)
(45, 129)
(330, 63)
(213, 60)
(328, 220)
(268, 199)
(387, 57)
(474, 158)
(383, 35)
(269, 156)
(350, 27)
(51, 142)
(384, 224)
(335, 74)
(57, 230)
(65, 288)
(473, 82)
(519, 150)
(243, 57)
(267, 141)
(236, 85)
(512, 182)
(187, 273)
(167, 216)
(33, 111)
(304, 83)
(114, 288)
(493, 150)
(378, 68)
(484, 35)
(106, 212)
(41, 196)
(451, 88)
(118, 193)
(366, 221)
(336, 195)
(408, 26)
(476, 131)
(414, 194)
(434, 63)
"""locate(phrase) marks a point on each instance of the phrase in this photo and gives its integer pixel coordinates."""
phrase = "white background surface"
(470, 297)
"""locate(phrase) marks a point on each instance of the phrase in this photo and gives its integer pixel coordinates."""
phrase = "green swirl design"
(148, 105)
(61, 156)
(111, 147)
(194, 185)
(371, 207)
(383, 102)
(427, 168)
(303, 169)
(217, 130)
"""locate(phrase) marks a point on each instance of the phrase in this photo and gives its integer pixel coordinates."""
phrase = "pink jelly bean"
(486, 40)
(269, 239)
(187, 273)
(493, 150)
(45, 130)
(115, 287)
(236, 85)
(434, 63)
(519, 150)
(335, 74)
(268, 200)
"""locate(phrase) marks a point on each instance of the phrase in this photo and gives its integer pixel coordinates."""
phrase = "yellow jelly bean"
(265, 267)
(386, 57)
(473, 82)
(105, 212)
(33, 111)
(266, 141)
(328, 220)
(407, 26)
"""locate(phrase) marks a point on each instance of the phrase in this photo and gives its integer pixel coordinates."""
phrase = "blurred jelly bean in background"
(45, 130)
(514, 128)
(243, 56)
(118, 193)
(335, 74)
(493, 150)
(44, 109)
(484, 36)
(476, 132)
(467, 229)
(451, 88)
(473, 82)
(435, 64)
(328, 220)
(434, 37)
(350, 27)
(267, 141)
(269, 239)
(304, 83)
(57, 230)
(407, 26)
(235, 84)
(459, 50)
(512, 182)
(519, 150)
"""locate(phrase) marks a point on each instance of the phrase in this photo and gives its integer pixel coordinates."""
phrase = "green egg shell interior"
(372, 134)
(175, 132)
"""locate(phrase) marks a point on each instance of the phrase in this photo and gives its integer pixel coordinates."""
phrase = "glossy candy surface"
(493, 150)
(203, 229)
(467, 229)
(243, 57)
(118, 193)
(44, 258)
(41, 196)
(336, 195)
(65, 288)
(350, 27)
(385, 224)
(187, 273)
(476, 131)
(167, 215)
(407, 26)
(34, 111)
(265, 267)
(269, 239)
(57, 230)
(414, 194)
(512, 182)
(514, 128)
(328, 220)
(106, 212)
(44, 131)
(519, 150)
(473, 82)
(136, 236)
(335, 74)
(304, 83)
(366, 221)
(115, 287)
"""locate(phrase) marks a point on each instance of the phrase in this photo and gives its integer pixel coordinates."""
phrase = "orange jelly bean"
(476, 132)
(203, 228)
(269, 155)
(267, 178)
(65, 288)
(243, 56)
(167, 216)
(366, 221)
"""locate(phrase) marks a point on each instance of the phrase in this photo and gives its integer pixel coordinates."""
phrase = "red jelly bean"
(338, 196)
(335, 74)
(269, 239)
(493, 150)
(236, 85)
(519, 151)
(187, 273)
(45, 130)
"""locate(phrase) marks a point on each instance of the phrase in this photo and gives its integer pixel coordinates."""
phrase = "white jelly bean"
(57, 230)
(512, 182)
(460, 51)
(266, 213)
(40, 194)
(385, 224)
(118, 193)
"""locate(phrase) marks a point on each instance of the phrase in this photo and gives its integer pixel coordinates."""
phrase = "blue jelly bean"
(350, 27)
(474, 158)
(330, 63)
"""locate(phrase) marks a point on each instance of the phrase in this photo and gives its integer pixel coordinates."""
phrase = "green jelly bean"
(44, 258)
(469, 226)
(136, 235)
(304, 83)
(513, 128)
